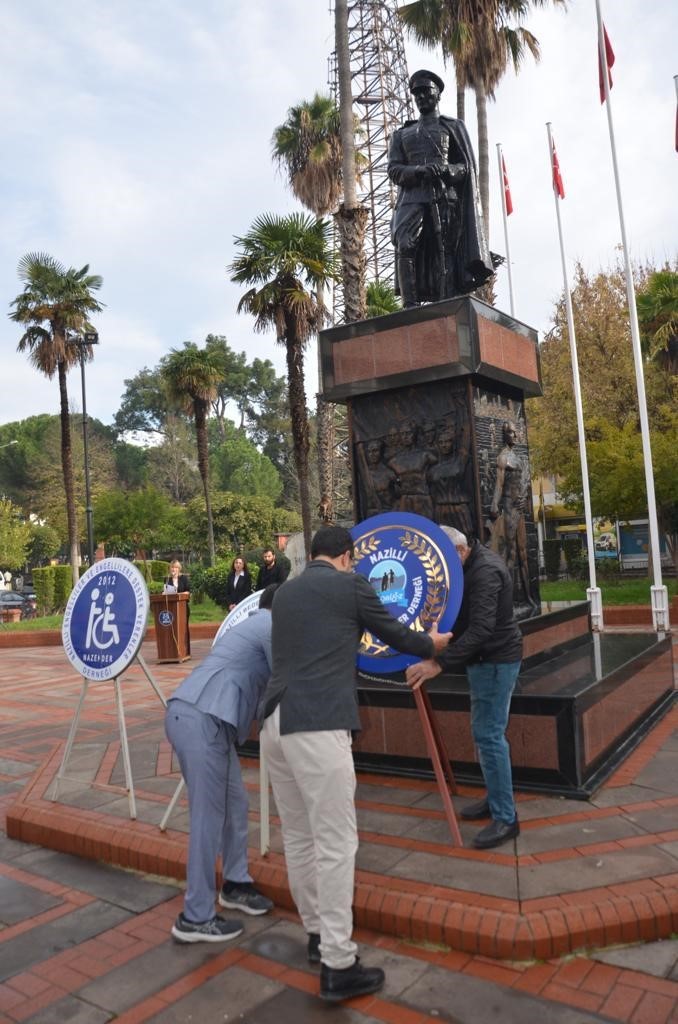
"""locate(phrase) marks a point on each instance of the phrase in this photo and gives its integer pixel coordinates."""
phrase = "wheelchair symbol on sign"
(101, 623)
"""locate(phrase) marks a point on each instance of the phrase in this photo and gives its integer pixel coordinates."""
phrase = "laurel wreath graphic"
(436, 589)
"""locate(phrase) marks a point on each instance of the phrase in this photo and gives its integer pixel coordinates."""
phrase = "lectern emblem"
(415, 572)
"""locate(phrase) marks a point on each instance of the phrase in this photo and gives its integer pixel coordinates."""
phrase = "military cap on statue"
(424, 78)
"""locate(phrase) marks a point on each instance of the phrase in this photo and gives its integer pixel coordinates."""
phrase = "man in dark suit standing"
(311, 707)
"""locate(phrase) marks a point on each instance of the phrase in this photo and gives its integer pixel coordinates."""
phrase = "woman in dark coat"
(177, 578)
(239, 583)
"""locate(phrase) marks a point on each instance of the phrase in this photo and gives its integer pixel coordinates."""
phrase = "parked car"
(12, 599)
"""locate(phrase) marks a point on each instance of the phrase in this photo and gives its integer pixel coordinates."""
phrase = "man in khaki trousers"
(310, 709)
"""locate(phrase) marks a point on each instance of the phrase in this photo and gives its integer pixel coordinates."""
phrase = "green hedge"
(43, 581)
(552, 559)
(153, 569)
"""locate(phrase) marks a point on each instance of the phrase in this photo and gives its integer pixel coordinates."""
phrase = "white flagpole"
(506, 237)
(593, 592)
(660, 598)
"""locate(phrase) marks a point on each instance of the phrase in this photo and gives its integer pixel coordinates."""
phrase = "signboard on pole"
(105, 619)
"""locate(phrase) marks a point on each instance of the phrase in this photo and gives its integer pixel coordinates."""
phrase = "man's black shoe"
(476, 811)
(496, 834)
(356, 980)
(313, 948)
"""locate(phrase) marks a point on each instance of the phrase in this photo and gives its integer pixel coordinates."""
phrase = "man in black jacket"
(311, 707)
(271, 571)
(488, 643)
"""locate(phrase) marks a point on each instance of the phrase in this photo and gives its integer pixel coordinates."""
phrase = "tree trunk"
(200, 409)
(325, 442)
(351, 218)
(67, 470)
(299, 417)
(461, 102)
(352, 225)
(483, 158)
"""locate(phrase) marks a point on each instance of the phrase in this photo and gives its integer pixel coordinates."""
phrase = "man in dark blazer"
(214, 707)
(310, 709)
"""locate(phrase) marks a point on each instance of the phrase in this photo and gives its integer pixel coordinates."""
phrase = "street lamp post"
(88, 338)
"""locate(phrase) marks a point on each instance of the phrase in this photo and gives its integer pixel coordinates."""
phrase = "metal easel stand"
(440, 760)
(122, 728)
(264, 807)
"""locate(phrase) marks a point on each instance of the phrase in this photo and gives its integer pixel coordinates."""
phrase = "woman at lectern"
(177, 581)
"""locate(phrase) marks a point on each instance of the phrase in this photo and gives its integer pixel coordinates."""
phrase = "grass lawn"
(205, 611)
(635, 591)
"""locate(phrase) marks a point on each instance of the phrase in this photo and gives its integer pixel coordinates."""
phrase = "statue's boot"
(407, 281)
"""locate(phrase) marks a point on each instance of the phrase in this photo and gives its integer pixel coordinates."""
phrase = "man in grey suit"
(214, 707)
(310, 709)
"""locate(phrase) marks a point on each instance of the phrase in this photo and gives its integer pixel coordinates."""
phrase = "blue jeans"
(491, 686)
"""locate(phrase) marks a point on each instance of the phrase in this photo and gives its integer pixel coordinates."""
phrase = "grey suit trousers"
(217, 803)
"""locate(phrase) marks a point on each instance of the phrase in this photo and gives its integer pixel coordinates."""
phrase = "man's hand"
(423, 670)
(440, 640)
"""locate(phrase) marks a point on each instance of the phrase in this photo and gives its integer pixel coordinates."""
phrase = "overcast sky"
(137, 139)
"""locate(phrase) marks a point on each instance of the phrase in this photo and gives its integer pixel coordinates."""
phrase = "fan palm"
(482, 37)
(193, 376)
(57, 301)
(658, 314)
(381, 299)
(285, 261)
(308, 147)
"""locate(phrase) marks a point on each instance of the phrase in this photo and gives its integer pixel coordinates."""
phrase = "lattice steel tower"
(381, 102)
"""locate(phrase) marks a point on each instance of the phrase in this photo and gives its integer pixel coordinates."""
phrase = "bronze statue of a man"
(437, 229)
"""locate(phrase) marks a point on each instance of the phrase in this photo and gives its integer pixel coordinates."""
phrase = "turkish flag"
(508, 202)
(609, 61)
(558, 186)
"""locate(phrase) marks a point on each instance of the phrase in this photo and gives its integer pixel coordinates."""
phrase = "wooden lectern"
(170, 615)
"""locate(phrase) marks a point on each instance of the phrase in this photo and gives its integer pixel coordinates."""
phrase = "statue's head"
(374, 450)
(426, 87)
(408, 433)
(509, 433)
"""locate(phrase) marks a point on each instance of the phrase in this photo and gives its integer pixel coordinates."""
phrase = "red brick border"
(465, 921)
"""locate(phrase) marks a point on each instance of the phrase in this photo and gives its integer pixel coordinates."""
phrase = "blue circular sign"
(165, 618)
(415, 571)
(105, 619)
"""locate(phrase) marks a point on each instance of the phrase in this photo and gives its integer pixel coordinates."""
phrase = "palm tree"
(307, 146)
(381, 299)
(55, 303)
(193, 375)
(658, 314)
(279, 257)
(482, 37)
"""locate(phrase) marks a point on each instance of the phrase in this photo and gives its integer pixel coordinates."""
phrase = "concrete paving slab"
(470, 875)
(382, 822)
(31, 947)
(661, 773)
(620, 796)
(658, 819)
(18, 768)
(579, 873)
(19, 902)
(283, 941)
(462, 999)
(401, 796)
(121, 888)
(226, 997)
(70, 1011)
(428, 830)
(656, 958)
(304, 1008)
(375, 857)
(576, 834)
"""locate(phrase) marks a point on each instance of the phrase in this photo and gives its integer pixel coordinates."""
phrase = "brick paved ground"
(82, 941)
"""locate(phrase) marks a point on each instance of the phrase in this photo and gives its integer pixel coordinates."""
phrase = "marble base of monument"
(582, 703)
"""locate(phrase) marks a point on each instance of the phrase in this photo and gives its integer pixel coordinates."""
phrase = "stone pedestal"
(436, 416)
